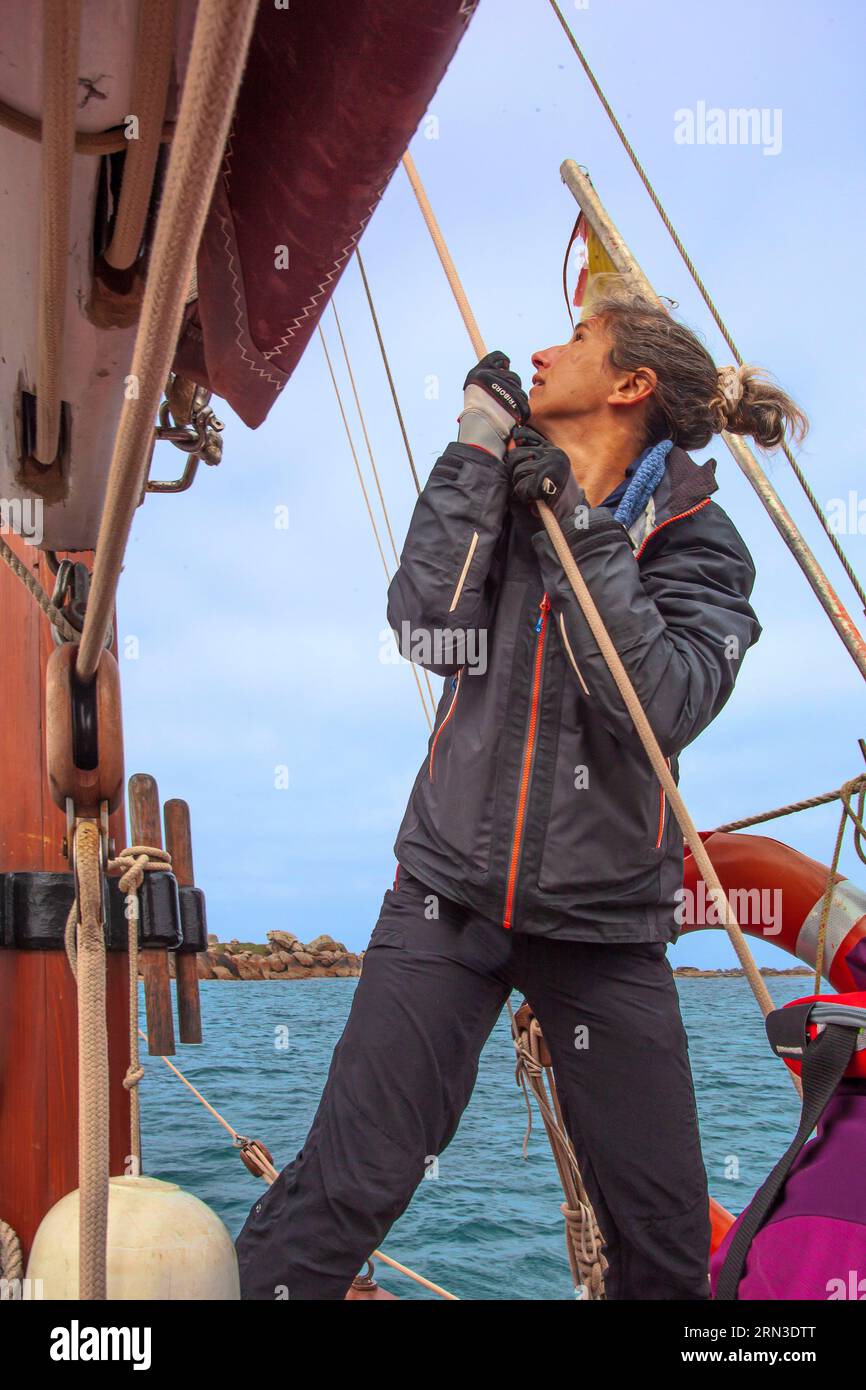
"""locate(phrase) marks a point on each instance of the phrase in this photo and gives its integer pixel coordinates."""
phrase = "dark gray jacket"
(536, 803)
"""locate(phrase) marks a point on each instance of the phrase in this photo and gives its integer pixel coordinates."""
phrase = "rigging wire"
(376, 475)
(366, 497)
(375, 318)
(705, 294)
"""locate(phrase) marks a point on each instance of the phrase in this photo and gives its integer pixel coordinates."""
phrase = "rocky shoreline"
(693, 972)
(286, 957)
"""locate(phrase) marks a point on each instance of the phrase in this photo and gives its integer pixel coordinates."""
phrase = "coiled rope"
(534, 1072)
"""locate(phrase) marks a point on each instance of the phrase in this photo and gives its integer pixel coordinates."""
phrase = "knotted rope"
(534, 1072)
(11, 1262)
(132, 864)
(85, 950)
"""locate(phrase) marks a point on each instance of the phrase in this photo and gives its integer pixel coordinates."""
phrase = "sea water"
(487, 1225)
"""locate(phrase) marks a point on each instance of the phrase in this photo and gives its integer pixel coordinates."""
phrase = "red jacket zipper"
(528, 751)
(445, 721)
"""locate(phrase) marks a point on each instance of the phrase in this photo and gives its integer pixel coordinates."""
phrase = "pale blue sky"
(261, 647)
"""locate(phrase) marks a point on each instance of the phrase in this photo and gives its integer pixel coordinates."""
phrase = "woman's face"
(574, 378)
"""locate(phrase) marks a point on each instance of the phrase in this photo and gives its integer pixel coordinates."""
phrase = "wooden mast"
(38, 1055)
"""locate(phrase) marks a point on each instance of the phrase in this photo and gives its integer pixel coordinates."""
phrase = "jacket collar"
(685, 485)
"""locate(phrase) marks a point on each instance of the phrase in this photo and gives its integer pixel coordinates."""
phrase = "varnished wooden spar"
(38, 1014)
(146, 828)
(178, 842)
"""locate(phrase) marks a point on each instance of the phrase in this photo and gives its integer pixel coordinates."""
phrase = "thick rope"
(583, 1237)
(367, 504)
(656, 757)
(132, 864)
(60, 29)
(857, 783)
(11, 1262)
(96, 142)
(612, 658)
(154, 55)
(219, 48)
(705, 295)
(444, 255)
(85, 943)
(31, 583)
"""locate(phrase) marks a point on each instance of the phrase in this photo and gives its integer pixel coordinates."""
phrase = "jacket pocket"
(606, 821)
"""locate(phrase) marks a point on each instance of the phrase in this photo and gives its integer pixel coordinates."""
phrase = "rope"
(445, 256)
(85, 943)
(97, 142)
(657, 759)
(612, 659)
(366, 435)
(270, 1175)
(132, 864)
(374, 316)
(11, 1262)
(583, 1238)
(366, 497)
(382, 502)
(846, 791)
(806, 805)
(216, 62)
(31, 583)
(154, 49)
(705, 295)
(60, 28)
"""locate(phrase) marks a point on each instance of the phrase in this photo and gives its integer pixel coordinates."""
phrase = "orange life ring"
(777, 893)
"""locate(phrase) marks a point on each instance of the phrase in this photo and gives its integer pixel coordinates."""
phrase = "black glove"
(493, 403)
(540, 472)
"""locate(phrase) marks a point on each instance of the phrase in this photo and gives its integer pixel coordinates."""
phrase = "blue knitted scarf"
(646, 478)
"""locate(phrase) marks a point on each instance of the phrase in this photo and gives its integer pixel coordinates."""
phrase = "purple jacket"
(813, 1245)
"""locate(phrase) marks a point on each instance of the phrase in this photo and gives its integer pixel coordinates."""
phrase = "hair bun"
(731, 387)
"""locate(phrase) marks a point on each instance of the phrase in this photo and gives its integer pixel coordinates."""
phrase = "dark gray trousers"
(403, 1071)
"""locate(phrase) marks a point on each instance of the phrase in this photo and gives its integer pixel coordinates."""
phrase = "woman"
(537, 852)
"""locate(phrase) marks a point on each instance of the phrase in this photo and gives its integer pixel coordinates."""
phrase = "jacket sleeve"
(438, 601)
(681, 622)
